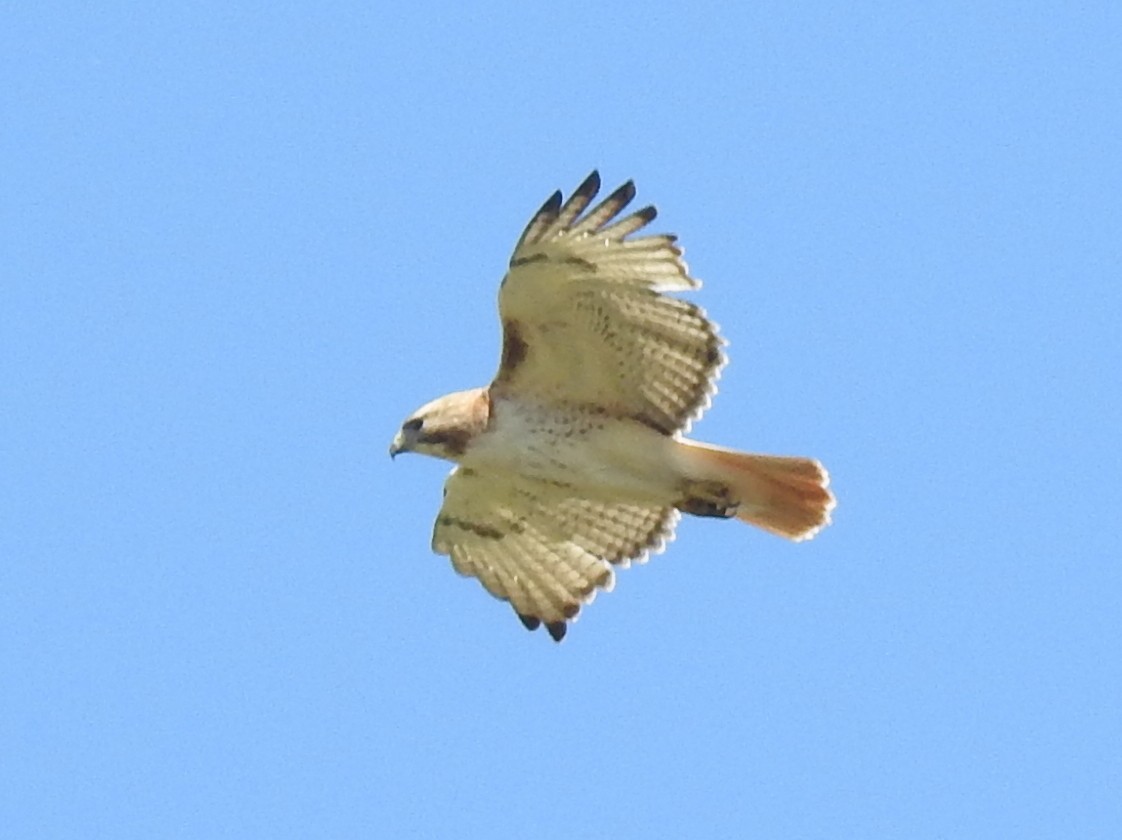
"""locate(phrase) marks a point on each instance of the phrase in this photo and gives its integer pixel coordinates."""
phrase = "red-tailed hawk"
(573, 460)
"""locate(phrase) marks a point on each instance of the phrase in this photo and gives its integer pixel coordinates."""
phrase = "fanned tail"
(786, 496)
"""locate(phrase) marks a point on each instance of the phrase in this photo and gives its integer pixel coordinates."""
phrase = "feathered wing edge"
(556, 220)
(664, 267)
(545, 557)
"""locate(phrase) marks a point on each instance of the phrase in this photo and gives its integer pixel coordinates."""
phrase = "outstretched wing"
(538, 546)
(585, 317)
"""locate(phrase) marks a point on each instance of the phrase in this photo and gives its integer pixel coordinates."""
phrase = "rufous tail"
(784, 495)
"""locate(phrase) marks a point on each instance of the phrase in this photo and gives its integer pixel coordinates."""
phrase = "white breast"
(598, 455)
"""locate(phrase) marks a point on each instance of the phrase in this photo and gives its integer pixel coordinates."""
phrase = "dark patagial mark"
(514, 349)
(480, 530)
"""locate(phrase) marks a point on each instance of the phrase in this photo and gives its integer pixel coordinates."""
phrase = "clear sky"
(240, 243)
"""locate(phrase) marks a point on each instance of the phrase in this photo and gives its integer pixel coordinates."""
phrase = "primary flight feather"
(572, 461)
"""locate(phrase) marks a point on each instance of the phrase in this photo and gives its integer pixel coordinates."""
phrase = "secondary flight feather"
(573, 460)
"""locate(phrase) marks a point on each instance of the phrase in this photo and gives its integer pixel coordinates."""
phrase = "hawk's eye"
(413, 424)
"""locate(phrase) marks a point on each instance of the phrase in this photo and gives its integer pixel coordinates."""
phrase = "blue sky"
(240, 243)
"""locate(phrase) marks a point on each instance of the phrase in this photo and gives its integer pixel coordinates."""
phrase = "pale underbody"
(573, 461)
(610, 459)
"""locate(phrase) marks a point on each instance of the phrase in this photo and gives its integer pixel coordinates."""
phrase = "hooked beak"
(400, 444)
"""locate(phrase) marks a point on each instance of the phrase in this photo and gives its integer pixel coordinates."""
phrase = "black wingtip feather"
(551, 206)
(532, 622)
(541, 220)
(622, 196)
(589, 186)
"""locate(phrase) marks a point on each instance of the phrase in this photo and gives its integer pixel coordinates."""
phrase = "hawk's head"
(444, 428)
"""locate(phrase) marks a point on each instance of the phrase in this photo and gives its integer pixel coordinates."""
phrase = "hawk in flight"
(573, 460)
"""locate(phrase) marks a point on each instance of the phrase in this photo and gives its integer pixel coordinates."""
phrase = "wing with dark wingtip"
(538, 546)
(586, 319)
